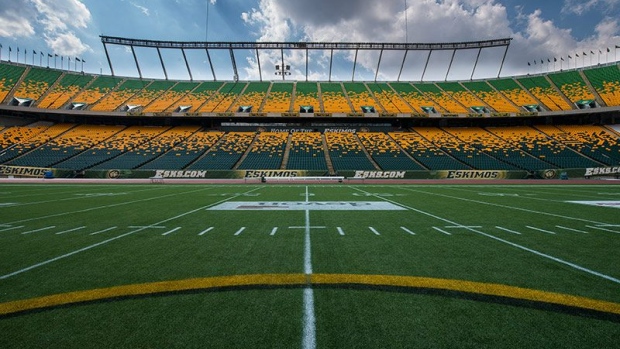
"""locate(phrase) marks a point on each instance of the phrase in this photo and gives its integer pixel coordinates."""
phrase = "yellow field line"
(275, 280)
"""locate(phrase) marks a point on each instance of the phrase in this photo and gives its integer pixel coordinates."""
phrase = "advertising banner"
(24, 171)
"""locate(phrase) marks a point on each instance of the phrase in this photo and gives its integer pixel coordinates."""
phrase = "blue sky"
(541, 30)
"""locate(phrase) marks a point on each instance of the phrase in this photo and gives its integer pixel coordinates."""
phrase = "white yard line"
(541, 230)
(407, 230)
(76, 197)
(441, 230)
(103, 231)
(239, 231)
(374, 230)
(70, 230)
(544, 255)
(171, 231)
(508, 230)
(309, 320)
(340, 231)
(502, 206)
(309, 335)
(205, 231)
(273, 231)
(11, 228)
(571, 229)
(2, 277)
(603, 229)
(105, 206)
(37, 230)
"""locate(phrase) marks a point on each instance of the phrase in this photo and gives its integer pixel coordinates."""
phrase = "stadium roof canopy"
(283, 68)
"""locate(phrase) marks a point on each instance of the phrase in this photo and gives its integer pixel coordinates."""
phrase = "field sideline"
(309, 266)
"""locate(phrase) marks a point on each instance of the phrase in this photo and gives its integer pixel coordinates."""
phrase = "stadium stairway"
(425, 152)
(224, 154)
(386, 153)
(307, 152)
(11, 77)
(65, 89)
(265, 152)
(588, 142)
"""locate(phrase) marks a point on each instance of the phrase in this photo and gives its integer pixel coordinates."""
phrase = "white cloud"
(142, 9)
(66, 44)
(580, 7)
(14, 25)
(534, 35)
(53, 20)
(59, 15)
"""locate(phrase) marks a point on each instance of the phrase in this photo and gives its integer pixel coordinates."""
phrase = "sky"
(546, 36)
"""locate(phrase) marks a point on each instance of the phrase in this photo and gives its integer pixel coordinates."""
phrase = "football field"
(309, 266)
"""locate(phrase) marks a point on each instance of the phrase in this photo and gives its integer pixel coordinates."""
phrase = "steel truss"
(306, 46)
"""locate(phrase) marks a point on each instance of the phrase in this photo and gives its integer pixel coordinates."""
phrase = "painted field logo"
(302, 206)
(380, 174)
(180, 174)
(474, 174)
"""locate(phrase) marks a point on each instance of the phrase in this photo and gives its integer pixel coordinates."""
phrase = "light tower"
(283, 70)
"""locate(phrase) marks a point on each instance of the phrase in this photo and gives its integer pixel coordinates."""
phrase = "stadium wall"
(488, 175)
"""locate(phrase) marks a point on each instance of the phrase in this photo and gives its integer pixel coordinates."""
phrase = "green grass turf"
(345, 317)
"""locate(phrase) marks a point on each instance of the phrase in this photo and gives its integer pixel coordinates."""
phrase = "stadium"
(285, 212)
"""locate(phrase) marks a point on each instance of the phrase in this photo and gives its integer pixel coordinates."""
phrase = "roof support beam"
(504, 59)
(378, 65)
(402, 65)
(331, 59)
(373, 46)
(450, 65)
(428, 58)
(234, 64)
(354, 65)
(187, 65)
(283, 70)
(307, 47)
(162, 63)
(105, 48)
(475, 64)
(136, 60)
(211, 64)
(260, 72)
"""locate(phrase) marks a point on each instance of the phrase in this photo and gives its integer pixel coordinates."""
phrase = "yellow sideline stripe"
(472, 287)
(151, 288)
(240, 281)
